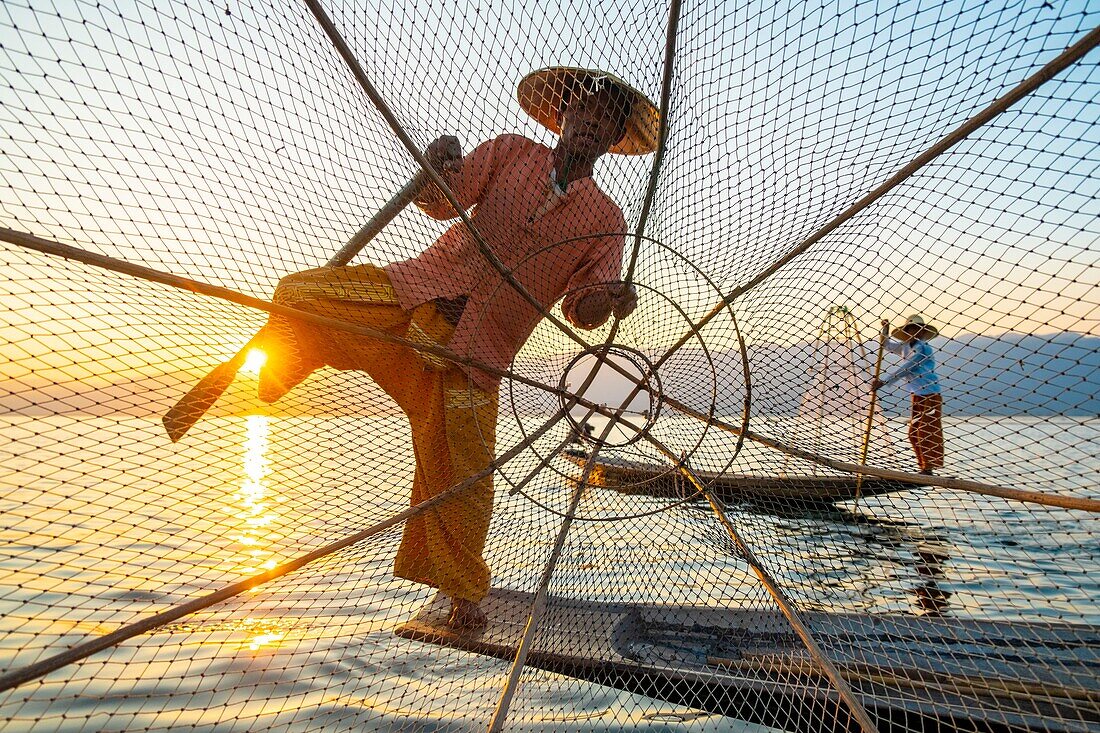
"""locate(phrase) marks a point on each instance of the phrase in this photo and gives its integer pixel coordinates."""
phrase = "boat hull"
(648, 479)
(911, 673)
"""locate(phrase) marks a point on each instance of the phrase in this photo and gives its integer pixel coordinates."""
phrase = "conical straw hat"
(540, 94)
(921, 331)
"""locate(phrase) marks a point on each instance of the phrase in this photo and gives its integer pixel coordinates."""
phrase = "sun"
(256, 358)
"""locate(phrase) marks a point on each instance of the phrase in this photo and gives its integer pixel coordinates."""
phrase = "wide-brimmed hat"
(540, 94)
(915, 327)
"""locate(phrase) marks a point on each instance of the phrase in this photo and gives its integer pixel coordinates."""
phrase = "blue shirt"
(918, 369)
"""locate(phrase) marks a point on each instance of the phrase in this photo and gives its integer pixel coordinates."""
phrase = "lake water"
(104, 522)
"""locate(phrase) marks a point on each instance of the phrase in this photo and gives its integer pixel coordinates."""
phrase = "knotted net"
(743, 539)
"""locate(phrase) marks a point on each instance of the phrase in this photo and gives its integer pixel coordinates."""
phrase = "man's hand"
(877, 384)
(445, 153)
(624, 300)
(885, 328)
(601, 301)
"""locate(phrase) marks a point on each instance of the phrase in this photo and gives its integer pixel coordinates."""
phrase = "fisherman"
(918, 369)
(541, 213)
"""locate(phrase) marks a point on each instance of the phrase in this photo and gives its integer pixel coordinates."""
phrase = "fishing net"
(702, 516)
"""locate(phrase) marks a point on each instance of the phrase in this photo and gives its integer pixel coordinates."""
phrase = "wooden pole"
(193, 405)
(883, 335)
(786, 605)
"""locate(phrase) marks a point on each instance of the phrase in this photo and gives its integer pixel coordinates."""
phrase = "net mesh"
(707, 517)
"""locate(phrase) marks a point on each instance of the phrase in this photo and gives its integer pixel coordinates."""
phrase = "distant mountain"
(1013, 374)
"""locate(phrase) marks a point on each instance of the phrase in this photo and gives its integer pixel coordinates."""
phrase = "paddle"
(193, 405)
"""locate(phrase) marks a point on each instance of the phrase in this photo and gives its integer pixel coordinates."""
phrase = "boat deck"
(912, 673)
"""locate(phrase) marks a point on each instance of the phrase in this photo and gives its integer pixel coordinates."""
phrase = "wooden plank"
(575, 631)
(885, 669)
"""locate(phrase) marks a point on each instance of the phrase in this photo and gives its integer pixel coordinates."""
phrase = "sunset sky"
(234, 148)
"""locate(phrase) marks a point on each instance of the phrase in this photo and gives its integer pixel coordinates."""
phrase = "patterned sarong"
(926, 430)
(453, 422)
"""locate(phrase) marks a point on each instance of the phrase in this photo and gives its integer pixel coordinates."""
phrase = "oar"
(193, 405)
(871, 410)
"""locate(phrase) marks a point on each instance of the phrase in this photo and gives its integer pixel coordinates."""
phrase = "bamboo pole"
(538, 605)
(786, 605)
(883, 335)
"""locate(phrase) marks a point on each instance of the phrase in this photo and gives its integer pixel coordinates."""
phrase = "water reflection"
(256, 520)
(838, 559)
(262, 640)
(253, 500)
(930, 598)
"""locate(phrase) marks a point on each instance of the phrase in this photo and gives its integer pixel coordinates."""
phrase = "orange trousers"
(926, 430)
(453, 422)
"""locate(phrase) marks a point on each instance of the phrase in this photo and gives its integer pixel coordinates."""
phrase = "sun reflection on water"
(254, 501)
(255, 521)
(261, 640)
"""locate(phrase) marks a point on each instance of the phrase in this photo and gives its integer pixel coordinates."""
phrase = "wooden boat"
(910, 672)
(651, 479)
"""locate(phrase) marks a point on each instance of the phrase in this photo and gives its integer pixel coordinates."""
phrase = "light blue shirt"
(918, 369)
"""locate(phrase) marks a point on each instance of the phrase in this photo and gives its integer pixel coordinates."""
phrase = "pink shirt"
(523, 218)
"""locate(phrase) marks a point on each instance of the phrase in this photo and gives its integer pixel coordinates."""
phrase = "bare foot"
(466, 615)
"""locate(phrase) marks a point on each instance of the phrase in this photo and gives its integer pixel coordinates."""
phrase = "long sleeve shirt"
(918, 367)
(553, 241)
